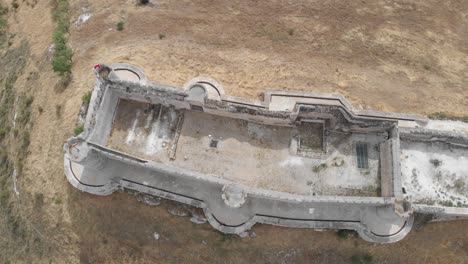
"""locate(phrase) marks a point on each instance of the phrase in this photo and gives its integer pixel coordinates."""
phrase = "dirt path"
(400, 56)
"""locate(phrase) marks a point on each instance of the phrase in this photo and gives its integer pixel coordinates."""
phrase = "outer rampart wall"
(373, 217)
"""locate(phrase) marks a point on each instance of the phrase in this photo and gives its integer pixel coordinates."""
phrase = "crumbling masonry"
(295, 159)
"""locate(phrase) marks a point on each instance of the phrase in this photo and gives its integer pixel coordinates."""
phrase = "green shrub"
(78, 130)
(62, 64)
(344, 234)
(62, 60)
(120, 25)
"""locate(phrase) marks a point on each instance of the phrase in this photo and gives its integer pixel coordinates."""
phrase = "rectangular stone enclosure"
(291, 159)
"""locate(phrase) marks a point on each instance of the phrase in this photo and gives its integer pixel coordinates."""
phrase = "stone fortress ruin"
(295, 159)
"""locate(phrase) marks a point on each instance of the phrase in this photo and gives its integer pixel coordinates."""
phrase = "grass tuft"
(445, 116)
(78, 130)
(58, 201)
(3, 22)
(87, 98)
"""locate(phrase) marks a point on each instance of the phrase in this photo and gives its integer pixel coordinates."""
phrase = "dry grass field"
(403, 56)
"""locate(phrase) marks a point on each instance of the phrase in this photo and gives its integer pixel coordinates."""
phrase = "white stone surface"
(447, 125)
(427, 181)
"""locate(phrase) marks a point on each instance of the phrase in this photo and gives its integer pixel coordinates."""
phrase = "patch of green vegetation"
(78, 130)
(58, 201)
(120, 25)
(273, 33)
(447, 203)
(356, 259)
(20, 232)
(62, 59)
(86, 98)
(3, 10)
(13, 150)
(7, 101)
(162, 35)
(344, 233)
(226, 237)
(445, 116)
(320, 168)
(3, 22)
(368, 259)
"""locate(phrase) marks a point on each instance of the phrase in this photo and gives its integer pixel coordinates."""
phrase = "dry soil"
(404, 56)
